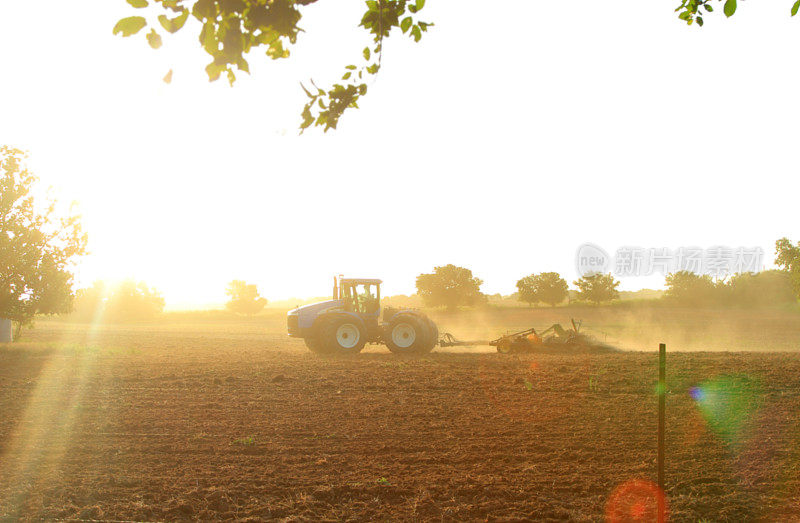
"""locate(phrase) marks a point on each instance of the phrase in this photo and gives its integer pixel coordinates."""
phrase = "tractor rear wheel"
(433, 334)
(408, 334)
(342, 335)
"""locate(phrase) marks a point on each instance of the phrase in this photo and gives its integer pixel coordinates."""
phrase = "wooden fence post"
(662, 391)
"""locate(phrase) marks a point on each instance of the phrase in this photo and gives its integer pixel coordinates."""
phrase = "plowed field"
(237, 421)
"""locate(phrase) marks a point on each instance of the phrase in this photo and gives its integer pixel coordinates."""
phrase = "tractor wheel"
(504, 346)
(433, 334)
(408, 334)
(314, 339)
(341, 335)
(314, 345)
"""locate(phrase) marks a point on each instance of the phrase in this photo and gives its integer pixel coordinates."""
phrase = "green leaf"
(154, 39)
(700, 21)
(346, 75)
(366, 53)
(214, 70)
(175, 24)
(729, 8)
(130, 26)
(306, 91)
(420, 4)
(138, 4)
(795, 7)
(350, 67)
(406, 23)
(708, 7)
(416, 33)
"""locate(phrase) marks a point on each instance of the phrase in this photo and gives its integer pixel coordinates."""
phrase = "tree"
(229, 29)
(244, 298)
(90, 303)
(692, 11)
(597, 288)
(761, 289)
(546, 287)
(690, 289)
(449, 286)
(127, 301)
(37, 247)
(133, 301)
(788, 258)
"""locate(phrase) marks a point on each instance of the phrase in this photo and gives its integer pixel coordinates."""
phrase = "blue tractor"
(352, 319)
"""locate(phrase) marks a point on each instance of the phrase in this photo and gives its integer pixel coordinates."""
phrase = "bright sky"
(504, 140)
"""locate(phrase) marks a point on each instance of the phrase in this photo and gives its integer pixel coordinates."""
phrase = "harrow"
(554, 338)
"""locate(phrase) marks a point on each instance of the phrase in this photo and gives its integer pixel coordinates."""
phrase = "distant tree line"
(127, 301)
(135, 301)
(452, 286)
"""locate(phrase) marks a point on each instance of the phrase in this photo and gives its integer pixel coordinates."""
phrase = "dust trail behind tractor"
(552, 339)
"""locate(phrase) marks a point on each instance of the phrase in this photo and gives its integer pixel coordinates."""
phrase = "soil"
(205, 422)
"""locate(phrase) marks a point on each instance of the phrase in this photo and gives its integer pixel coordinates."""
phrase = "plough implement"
(554, 338)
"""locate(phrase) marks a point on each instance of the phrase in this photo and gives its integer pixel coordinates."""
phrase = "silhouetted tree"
(449, 286)
(90, 303)
(244, 298)
(597, 288)
(37, 248)
(133, 301)
(788, 258)
(546, 287)
(761, 289)
(694, 290)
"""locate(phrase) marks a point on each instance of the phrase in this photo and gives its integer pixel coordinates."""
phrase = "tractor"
(344, 324)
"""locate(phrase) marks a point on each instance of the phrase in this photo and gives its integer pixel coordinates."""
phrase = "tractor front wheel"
(342, 335)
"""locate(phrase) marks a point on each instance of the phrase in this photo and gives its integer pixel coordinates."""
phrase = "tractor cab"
(359, 295)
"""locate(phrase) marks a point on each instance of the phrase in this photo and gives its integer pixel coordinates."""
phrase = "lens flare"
(728, 405)
(636, 500)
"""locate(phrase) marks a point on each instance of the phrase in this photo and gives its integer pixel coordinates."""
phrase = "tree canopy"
(126, 301)
(546, 287)
(788, 258)
(449, 286)
(597, 288)
(689, 289)
(692, 11)
(37, 246)
(229, 30)
(244, 298)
